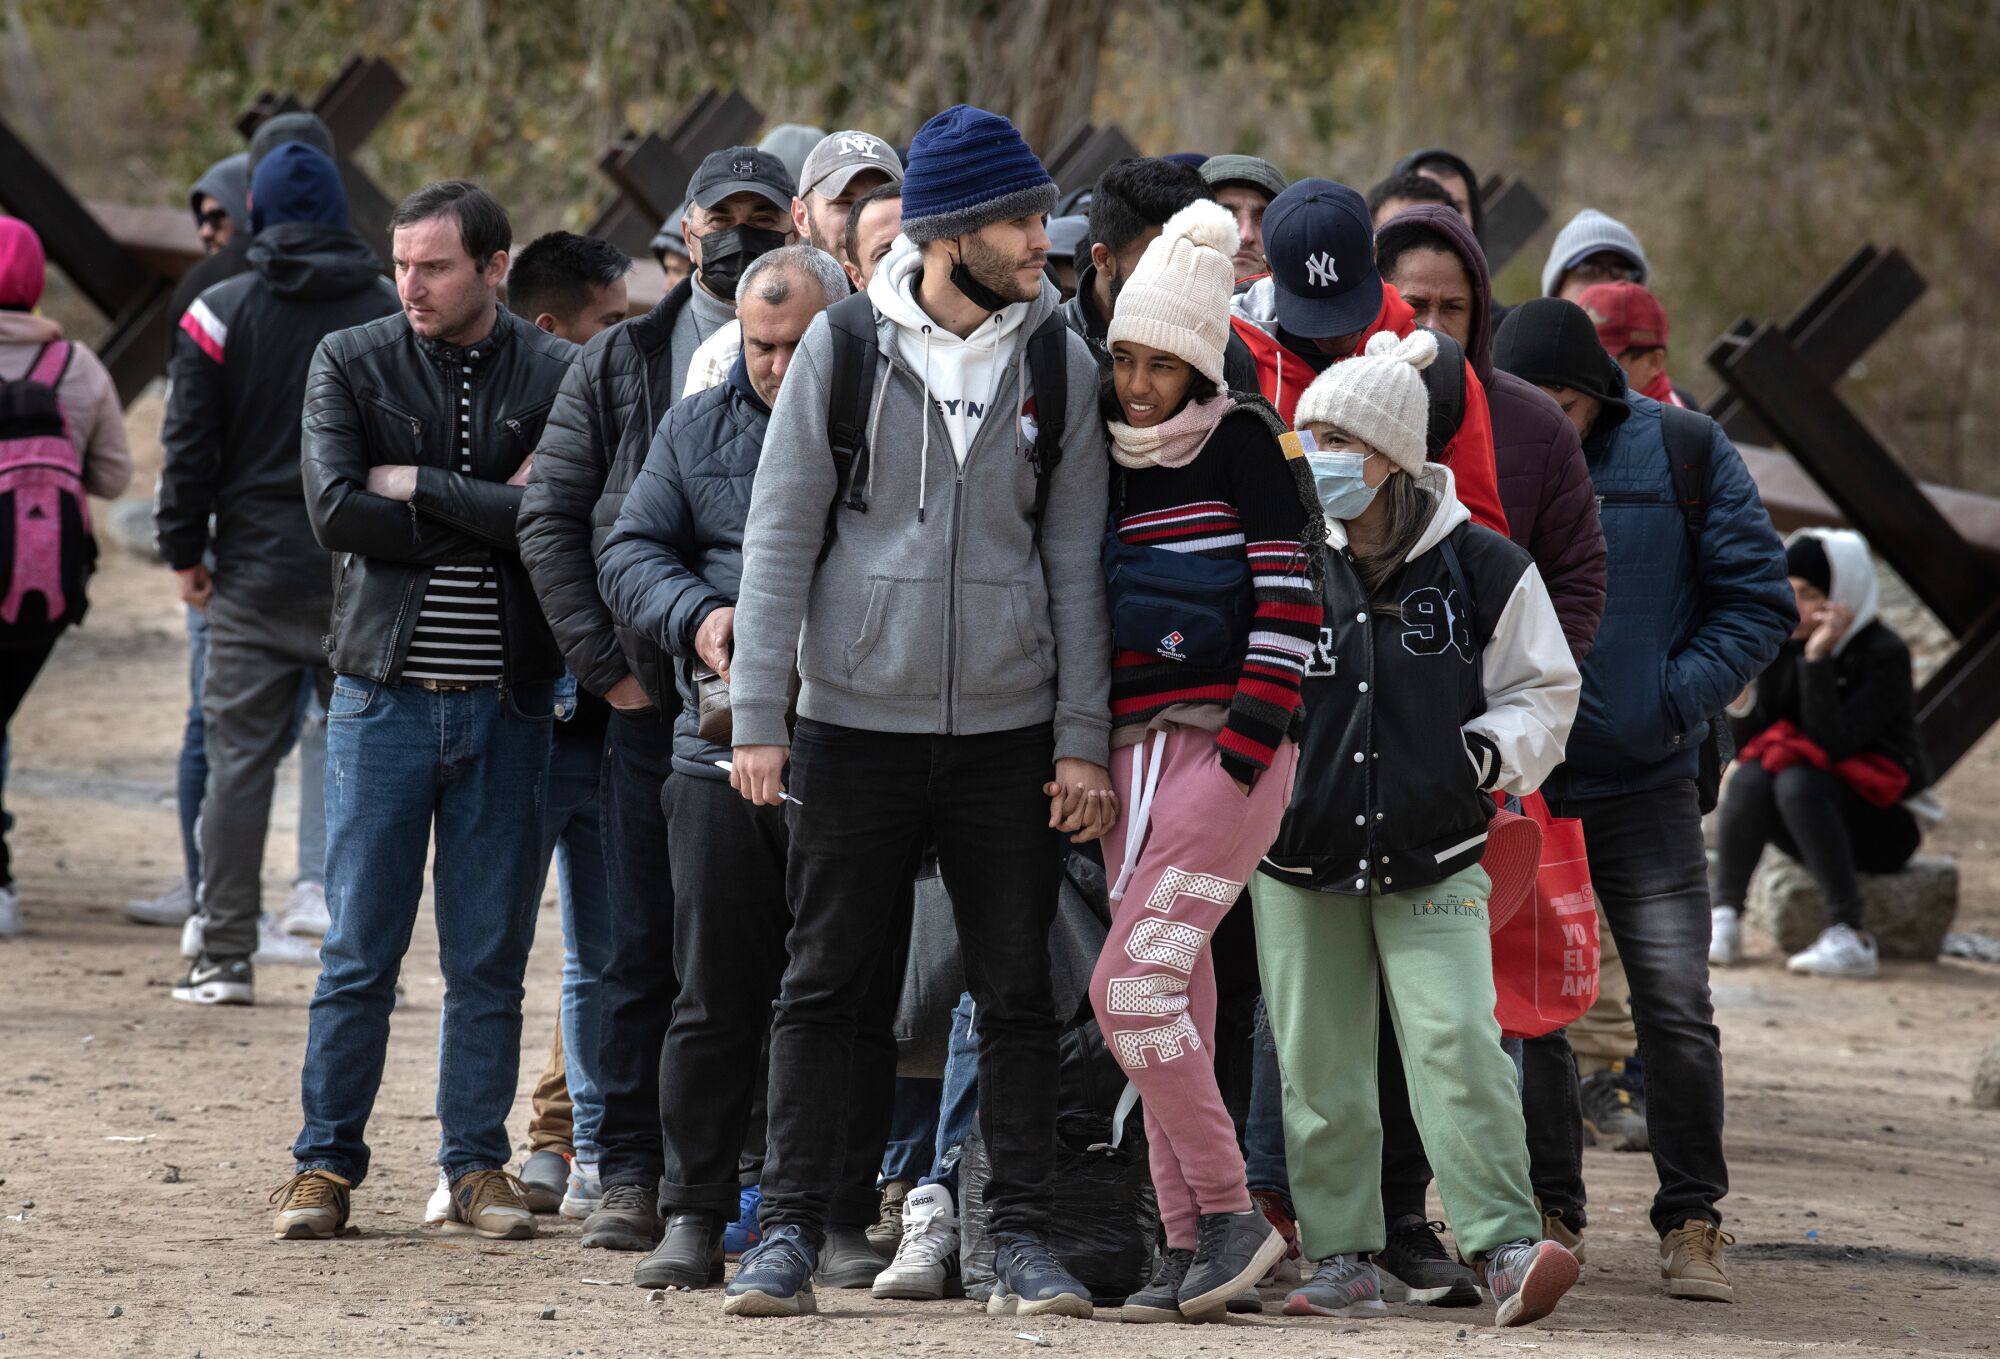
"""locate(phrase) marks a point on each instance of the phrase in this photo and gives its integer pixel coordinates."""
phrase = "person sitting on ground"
(1828, 755)
(34, 354)
(1399, 193)
(1202, 754)
(1441, 651)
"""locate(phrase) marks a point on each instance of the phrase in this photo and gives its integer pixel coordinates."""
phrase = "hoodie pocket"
(1005, 645)
(895, 651)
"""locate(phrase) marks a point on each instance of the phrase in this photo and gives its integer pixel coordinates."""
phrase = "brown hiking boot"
(1556, 1230)
(312, 1206)
(491, 1203)
(1691, 1261)
(888, 1228)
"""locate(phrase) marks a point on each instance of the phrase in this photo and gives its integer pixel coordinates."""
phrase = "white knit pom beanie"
(1178, 297)
(1377, 397)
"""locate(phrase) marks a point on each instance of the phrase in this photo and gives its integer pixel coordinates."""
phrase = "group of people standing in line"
(1271, 562)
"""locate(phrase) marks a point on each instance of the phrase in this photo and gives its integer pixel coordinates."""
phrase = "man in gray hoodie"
(955, 677)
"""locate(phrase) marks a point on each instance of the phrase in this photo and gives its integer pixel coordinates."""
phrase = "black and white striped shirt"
(457, 636)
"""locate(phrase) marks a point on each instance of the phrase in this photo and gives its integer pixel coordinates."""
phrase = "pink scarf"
(1173, 442)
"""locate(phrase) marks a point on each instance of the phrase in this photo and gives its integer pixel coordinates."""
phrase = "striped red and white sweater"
(1236, 499)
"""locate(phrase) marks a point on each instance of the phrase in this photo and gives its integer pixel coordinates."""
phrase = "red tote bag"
(1545, 956)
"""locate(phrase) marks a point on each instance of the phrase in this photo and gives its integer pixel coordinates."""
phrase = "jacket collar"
(739, 382)
(478, 353)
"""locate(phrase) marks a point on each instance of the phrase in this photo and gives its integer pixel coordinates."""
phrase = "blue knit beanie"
(967, 169)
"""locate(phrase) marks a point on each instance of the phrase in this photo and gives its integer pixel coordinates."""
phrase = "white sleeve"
(710, 364)
(1532, 686)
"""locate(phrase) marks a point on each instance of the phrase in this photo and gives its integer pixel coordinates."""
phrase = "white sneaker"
(580, 1200)
(171, 907)
(10, 912)
(1840, 951)
(1725, 937)
(273, 944)
(926, 1263)
(192, 935)
(438, 1210)
(305, 914)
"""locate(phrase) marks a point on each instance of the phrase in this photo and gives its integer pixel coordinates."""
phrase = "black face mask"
(727, 253)
(977, 293)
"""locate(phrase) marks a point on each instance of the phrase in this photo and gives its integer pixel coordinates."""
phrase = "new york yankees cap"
(1321, 249)
(841, 156)
(741, 169)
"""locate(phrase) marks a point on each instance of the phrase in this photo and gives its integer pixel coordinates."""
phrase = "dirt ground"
(142, 1137)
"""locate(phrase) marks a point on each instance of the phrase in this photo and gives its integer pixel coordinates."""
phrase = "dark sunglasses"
(214, 219)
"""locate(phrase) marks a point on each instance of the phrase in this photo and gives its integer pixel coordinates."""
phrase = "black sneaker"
(1231, 1253)
(216, 981)
(776, 1278)
(1614, 1108)
(688, 1256)
(847, 1259)
(626, 1218)
(1160, 1299)
(1414, 1267)
(1029, 1281)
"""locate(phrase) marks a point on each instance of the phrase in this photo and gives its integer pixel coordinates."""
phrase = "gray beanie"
(275, 131)
(1585, 234)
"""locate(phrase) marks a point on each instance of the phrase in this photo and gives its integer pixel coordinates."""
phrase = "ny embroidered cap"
(840, 156)
(1321, 249)
(741, 169)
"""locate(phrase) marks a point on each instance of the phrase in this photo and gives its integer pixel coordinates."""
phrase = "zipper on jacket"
(951, 602)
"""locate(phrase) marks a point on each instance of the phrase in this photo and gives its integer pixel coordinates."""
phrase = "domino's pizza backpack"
(47, 552)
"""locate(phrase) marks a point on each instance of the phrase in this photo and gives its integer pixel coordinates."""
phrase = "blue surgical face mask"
(1344, 492)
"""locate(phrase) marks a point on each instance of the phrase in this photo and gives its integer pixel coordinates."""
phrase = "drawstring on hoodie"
(924, 456)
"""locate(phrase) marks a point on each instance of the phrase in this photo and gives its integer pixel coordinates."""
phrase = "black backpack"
(852, 389)
(1690, 440)
(1444, 384)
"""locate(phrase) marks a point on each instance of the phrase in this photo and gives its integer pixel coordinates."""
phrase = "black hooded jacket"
(231, 440)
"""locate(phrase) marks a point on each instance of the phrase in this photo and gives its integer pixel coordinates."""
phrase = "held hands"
(1081, 803)
(758, 773)
(393, 481)
(1831, 623)
(714, 639)
(197, 586)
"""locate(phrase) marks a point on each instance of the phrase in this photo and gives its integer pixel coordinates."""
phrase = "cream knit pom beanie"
(1377, 396)
(1178, 297)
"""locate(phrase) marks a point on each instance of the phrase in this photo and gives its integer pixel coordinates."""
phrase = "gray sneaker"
(1231, 1253)
(1342, 1286)
(626, 1218)
(1159, 1300)
(847, 1259)
(545, 1175)
(171, 907)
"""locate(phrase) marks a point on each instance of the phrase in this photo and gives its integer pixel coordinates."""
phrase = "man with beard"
(841, 171)
(955, 659)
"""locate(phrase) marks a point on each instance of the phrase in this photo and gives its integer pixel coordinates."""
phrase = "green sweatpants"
(1322, 958)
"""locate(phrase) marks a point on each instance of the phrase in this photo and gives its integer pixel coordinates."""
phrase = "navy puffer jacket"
(675, 554)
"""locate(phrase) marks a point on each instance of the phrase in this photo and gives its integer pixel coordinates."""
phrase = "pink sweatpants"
(1154, 988)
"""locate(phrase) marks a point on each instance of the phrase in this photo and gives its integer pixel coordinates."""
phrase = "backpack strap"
(1048, 368)
(51, 363)
(1444, 384)
(852, 323)
(1690, 440)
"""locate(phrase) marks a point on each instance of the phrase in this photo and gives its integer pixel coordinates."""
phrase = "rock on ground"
(1907, 912)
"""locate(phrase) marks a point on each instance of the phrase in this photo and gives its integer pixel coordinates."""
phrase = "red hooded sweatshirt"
(1283, 376)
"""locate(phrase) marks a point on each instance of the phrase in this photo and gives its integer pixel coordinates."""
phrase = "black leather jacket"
(380, 394)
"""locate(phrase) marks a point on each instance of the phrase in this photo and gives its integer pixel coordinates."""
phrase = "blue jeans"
(191, 776)
(574, 828)
(401, 759)
(958, 1100)
(913, 1128)
(1264, 1128)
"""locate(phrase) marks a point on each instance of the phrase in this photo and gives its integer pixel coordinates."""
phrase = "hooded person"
(34, 361)
(1450, 170)
(230, 518)
(1433, 259)
(1201, 726)
(1830, 757)
(954, 658)
(1441, 675)
(227, 185)
(1322, 302)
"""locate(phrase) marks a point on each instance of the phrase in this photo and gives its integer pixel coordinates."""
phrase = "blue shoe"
(1029, 1281)
(742, 1234)
(775, 1278)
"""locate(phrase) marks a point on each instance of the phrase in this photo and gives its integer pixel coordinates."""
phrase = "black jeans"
(1553, 1107)
(731, 920)
(1650, 873)
(18, 668)
(639, 983)
(1816, 818)
(1406, 1169)
(866, 801)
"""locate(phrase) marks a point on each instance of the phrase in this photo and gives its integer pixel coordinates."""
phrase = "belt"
(454, 686)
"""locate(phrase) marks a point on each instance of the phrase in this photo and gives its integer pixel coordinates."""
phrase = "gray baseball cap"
(840, 156)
